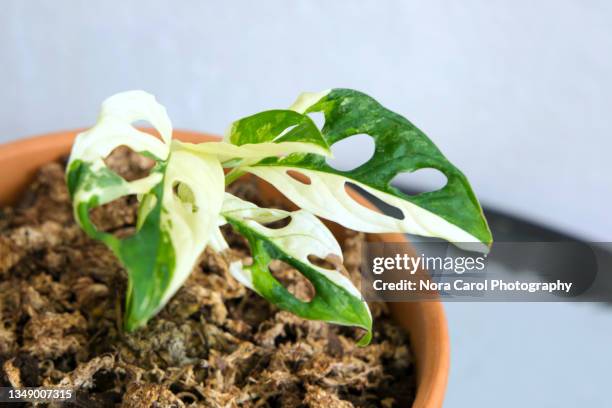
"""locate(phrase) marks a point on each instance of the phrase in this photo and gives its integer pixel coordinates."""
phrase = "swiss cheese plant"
(183, 203)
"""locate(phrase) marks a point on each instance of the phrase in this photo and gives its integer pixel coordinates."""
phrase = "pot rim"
(425, 320)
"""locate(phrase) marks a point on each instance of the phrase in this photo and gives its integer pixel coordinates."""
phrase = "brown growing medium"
(216, 344)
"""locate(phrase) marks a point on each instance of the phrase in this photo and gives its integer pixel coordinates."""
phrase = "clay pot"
(424, 320)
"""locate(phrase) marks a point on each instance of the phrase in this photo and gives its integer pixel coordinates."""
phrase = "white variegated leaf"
(173, 227)
(336, 299)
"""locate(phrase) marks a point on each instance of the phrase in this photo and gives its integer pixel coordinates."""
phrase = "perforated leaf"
(173, 227)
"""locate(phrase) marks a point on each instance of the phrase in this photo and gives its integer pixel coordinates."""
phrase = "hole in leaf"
(117, 217)
(318, 118)
(292, 280)
(420, 181)
(385, 208)
(282, 223)
(301, 177)
(330, 262)
(352, 152)
(129, 164)
(184, 193)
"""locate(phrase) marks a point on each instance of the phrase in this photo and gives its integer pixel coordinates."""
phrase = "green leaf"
(172, 228)
(273, 133)
(452, 213)
(336, 300)
(276, 126)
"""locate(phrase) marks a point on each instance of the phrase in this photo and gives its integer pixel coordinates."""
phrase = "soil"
(216, 343)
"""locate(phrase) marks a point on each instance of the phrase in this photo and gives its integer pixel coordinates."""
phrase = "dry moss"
(216, 344)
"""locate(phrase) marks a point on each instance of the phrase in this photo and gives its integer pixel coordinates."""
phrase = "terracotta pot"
(425, 321)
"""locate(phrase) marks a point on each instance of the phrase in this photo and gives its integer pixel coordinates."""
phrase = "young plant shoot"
(183, 203)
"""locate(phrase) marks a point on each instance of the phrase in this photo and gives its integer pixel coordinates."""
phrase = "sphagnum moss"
(215, 342)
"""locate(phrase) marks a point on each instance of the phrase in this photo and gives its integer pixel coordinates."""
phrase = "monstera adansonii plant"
(183, 203)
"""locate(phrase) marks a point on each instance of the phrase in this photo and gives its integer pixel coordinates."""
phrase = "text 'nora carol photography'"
(462, 285)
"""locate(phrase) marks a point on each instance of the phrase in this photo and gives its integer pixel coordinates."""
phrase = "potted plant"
(180, 207)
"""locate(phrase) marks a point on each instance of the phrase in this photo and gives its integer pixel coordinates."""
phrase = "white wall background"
(517, 94)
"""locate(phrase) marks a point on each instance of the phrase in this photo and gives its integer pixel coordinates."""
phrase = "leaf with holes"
(182, 203)
(452, 213)
(336, 299)
(179, 205)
